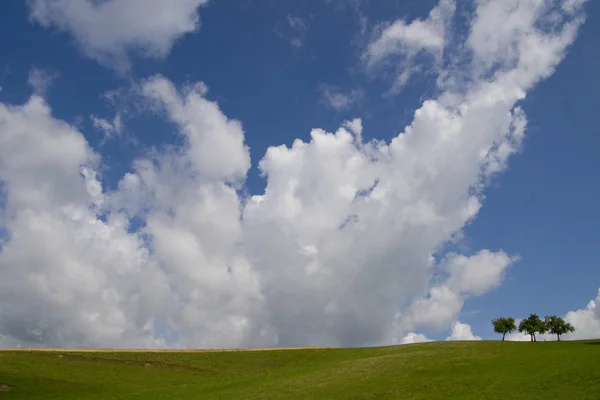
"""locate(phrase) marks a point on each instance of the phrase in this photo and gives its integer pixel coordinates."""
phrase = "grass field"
(452, 370)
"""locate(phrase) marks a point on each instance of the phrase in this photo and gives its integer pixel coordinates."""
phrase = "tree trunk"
(504, 334)
(558, 336)
(534, 338)
(531, 334)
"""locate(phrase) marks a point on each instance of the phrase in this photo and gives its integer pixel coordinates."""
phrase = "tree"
(504, 325)
(533, 325)
(557, 326)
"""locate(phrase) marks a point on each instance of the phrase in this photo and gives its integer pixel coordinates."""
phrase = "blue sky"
(543, 207)
(281, 70)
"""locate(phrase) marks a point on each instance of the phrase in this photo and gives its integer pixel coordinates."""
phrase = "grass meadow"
(450, 370)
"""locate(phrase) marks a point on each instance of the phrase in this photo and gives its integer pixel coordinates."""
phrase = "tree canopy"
(557, 326)
(532, 325)
(504, 325)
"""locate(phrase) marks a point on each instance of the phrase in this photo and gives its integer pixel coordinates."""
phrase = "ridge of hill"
(450, 370)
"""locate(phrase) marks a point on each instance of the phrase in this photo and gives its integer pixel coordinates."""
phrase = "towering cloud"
(342, 248)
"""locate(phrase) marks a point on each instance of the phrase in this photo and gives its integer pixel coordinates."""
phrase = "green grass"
(454, 370)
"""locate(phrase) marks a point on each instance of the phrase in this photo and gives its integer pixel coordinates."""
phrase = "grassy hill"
(453, 370)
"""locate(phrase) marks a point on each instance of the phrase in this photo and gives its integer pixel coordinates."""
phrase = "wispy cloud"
(403, 41)
(40, 80)
(339, 100)
(295, 31)
(109, 128)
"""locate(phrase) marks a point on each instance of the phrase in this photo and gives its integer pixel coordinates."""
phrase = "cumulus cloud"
(412, 337)
(586, 322)
(192, 211)
(68, 277)
(214, 144)
(462, 331)
(437, 310)
(477, 274)
(338, 249)
(110, 30)
(466, 276)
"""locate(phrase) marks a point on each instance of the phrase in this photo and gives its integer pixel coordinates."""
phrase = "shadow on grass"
(593, 342)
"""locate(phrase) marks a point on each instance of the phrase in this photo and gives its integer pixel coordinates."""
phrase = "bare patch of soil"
(5, 388)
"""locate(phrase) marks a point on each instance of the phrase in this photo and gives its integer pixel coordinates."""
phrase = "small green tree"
(557, 326)
(533, 325)
(504, 325)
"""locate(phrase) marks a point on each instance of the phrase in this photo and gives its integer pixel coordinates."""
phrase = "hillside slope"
(453, 370)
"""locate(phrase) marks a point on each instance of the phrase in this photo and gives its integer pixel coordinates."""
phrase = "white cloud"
(109, 128)
(215, 144)
(410, 38)
(189, 281)
(294, 29)
(339, 100)
(501, 31)
(355, 127)
(299, 30)
(40, 80)
(336, 251)
(462, 331)
(193, 220)
(518, 39)
(512, 37)
(407, 40)
(467, 276)
(412, 337)
(571, 6)
(586, 322)
(80, 284)
(437, 310)
(111, 30)
(296, 23)
(477, 274)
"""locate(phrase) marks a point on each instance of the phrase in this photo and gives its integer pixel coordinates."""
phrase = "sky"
(232, 174)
